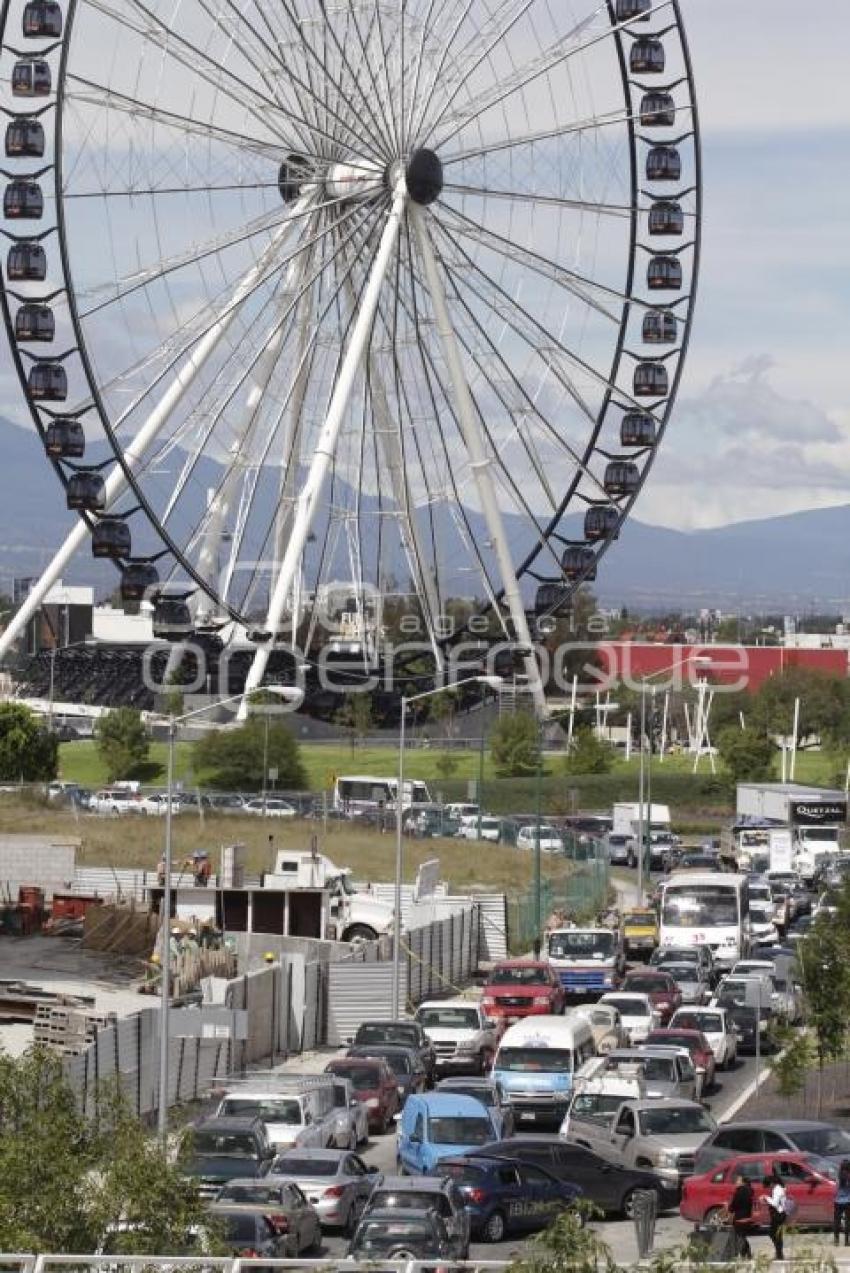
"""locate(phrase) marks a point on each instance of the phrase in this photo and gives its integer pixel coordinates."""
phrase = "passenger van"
(536, 1062)
(435, 1125)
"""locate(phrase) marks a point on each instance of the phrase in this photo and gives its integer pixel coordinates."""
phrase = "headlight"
(467, 1045)
(488, 1002)
(372, 1102)
(541, 1001)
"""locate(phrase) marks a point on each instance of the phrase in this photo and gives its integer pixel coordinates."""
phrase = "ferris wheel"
(359, 298)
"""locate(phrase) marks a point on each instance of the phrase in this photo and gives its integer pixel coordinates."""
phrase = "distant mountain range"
(789, 562)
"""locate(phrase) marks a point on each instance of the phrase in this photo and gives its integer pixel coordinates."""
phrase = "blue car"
(506, 1196)
(439, 1125)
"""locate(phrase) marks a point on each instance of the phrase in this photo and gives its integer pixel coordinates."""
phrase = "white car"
(637, 1015)
(271, 807)
(115, 800)
(484, 828)
(550, 840)
(720, 1033)
(156, 805)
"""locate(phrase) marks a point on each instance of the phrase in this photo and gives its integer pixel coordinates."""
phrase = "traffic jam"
(586, 1079)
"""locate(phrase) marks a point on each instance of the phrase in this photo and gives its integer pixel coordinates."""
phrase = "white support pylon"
(305, 507)
(117, 481)
(479, 461)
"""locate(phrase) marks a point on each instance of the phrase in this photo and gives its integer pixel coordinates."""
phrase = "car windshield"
(362, 1077)
(647, 984)
(262, 1195)
(630, 1007)
(827, 1141)
(391, 1032)
(374, 1234)
(225, 1145)
(448, 1018)
(708, 1022)
(536, 1060)
(460, 1131)
(399, 1062)
(271, 1109)
(597, 1107)
(517, 976)
(671, 1040)
(417, 1200)
(566, 945)
(240, 1227)
(704, 905)
(682, 972)
(485, 1095)
(674, 1120)
(666, 957)
(641, 917)
(292, 1165)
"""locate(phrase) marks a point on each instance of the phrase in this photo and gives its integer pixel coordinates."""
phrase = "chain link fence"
(580, 893)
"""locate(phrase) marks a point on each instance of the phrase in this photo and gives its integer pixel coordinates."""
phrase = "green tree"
(588, 754)
(27, 751)
(823, 964)
(746, 753)
(66, 1180)
(515, 745)
(824, 705)
(122, 741)
(356, 715)
(232, 759)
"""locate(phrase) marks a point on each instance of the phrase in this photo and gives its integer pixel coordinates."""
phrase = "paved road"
(620, 1234)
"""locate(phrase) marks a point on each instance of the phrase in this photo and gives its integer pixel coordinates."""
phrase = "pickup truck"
(640, 933)
(464, 1038)
(658, 1136)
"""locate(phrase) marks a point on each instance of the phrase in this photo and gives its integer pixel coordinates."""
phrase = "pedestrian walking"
(841, 1209)
(740, 1212)
(777, 1207)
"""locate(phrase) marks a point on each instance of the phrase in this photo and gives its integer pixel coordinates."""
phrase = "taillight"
(249, 1254)
(279, 1223)
(476, 1194)
(335, 1191)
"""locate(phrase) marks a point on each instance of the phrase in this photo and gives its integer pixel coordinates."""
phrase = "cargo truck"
(627, 821)
(815, 817)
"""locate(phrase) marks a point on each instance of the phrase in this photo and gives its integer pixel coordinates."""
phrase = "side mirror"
(372, 1170)
(415, 1138)
(490, 1023)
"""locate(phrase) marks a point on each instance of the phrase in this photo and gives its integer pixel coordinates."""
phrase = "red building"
(744, 666)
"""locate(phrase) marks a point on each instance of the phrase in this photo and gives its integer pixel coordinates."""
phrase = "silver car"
(336, 1181)
(691, 980)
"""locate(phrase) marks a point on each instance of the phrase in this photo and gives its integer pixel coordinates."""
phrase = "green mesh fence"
(580, 891)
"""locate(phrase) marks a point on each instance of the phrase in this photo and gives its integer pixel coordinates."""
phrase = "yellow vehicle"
(640, 933)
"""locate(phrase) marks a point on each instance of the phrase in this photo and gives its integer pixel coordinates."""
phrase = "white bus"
(361, 793)
(707, 908)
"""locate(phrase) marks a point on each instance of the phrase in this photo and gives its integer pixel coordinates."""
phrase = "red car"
(522, 988)
(812, 1191)
(662, 990)
(374, 1084)
(698, 1046)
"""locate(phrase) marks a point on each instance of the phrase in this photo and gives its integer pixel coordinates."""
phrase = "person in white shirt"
(777, 1210)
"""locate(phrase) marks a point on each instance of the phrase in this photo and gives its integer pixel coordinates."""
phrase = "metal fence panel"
(356, 993)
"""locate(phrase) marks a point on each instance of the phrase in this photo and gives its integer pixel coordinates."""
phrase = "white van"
(473, 827)
(296, 1109)
(536, 1062)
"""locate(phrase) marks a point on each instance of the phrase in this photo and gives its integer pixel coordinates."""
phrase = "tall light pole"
(71, 645)
(291, 695)
(645, 765)
(495, 683)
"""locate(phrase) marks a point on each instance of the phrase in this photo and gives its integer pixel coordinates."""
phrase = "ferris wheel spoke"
(621, 210)
(101, 95)
(382, 93)
(509, 248)
(501, 301)
(524, 75)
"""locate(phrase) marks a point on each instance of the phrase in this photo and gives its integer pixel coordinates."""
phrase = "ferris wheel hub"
(424, 176)
(356, 179)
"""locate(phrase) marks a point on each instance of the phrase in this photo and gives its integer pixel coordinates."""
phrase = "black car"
(224, 1148)
(609, 1186)
(405, 1063)
(748, 1022)
(399, 1233)
(405, 1034)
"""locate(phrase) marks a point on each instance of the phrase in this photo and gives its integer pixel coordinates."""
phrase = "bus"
(706, 908)
(361, 793)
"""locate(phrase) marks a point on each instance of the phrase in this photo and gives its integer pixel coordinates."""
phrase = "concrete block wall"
(38, 860)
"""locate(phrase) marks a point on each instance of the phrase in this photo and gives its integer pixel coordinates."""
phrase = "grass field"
(694, 797)
(131, 841)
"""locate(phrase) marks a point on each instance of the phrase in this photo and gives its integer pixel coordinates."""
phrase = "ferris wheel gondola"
(365, 299)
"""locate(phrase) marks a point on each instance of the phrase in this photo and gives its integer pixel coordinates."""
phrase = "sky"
(762, 424)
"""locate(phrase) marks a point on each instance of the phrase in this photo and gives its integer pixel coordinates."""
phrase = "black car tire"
(355, 1211)
(402, 1254)
(495, 1228)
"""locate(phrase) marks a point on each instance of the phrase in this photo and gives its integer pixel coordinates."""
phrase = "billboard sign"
(816, 813)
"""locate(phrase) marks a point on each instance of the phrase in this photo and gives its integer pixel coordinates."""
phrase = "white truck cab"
(354, 914)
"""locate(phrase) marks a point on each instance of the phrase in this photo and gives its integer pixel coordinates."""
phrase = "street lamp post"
(645, 766)
(495, 683)
(291, 695)
(71, 645)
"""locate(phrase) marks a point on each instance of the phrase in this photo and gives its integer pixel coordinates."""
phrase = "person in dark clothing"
(841, 1210)
(777, 1206)
(741, 1214)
